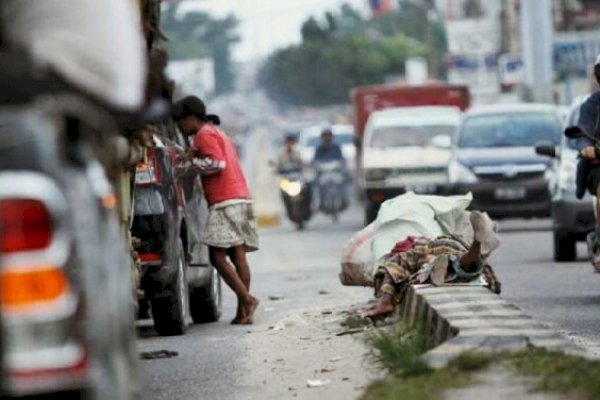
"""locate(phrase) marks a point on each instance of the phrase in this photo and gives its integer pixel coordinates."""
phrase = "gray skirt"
(231, 226)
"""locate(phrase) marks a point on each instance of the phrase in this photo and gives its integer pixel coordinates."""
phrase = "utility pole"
(537, 39)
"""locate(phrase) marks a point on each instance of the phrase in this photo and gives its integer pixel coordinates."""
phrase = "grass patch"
(557, 372)
(399, 351)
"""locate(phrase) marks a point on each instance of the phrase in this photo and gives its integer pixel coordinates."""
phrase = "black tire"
(206, 301)
(300, 225)
(371, 211)
(170, 314)
(565, 247)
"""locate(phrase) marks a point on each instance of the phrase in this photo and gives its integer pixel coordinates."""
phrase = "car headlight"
(458, 173)
(376, 174)
(567, 175)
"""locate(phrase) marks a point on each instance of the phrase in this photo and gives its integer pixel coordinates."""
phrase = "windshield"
(403, 136)
(510, 130)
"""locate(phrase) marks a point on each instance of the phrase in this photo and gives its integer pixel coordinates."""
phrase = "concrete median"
(459, 319)
(262, 180)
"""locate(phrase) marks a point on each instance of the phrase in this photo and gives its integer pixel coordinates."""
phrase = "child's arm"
(208, 165)
(208, 156)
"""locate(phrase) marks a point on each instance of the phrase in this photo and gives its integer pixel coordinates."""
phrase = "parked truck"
(403, 136)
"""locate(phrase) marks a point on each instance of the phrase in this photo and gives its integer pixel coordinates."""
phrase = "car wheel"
(371, 211)
(565, 248)
(206, 301)
(171, 314)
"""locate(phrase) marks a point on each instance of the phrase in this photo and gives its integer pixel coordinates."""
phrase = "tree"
(343, 51)
(196, 34)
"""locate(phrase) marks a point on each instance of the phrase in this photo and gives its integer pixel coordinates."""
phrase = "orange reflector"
(23, 289)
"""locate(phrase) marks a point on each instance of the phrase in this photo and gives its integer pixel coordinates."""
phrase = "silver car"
(572, 219)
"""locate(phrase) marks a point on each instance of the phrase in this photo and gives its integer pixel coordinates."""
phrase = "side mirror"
(441, 141)
(574, 132)
(546, 149)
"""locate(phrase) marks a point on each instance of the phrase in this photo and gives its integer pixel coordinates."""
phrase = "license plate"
(510, 193)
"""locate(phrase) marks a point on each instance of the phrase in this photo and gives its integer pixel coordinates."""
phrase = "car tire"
(171, 314)
(206, 301)
(565, 248)
(371, 211)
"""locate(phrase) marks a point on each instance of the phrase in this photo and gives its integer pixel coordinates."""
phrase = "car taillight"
(148, 171)
(25, 225)
(42, 342)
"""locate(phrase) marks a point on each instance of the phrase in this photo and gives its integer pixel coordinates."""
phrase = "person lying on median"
(231, 228)
(444, 259)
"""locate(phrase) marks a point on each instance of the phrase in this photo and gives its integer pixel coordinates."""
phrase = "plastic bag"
(357, 259)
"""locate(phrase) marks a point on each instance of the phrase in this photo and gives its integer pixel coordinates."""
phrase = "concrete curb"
(462, 318)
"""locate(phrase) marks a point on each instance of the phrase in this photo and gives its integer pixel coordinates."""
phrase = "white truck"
(406, 149)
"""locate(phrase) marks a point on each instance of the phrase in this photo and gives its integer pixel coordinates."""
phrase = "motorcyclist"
(289, 159)
(588, 176)
(328, 150)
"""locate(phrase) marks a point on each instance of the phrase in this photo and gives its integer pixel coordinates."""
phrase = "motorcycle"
(296, 194)
(331, 182)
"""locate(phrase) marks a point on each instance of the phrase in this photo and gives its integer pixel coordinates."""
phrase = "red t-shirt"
(229, 183)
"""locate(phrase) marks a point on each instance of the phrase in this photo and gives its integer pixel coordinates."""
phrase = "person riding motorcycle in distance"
(289, 159)
(588, 170)
(330, 151)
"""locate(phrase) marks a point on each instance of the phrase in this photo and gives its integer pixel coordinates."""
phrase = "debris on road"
(276, 297)
(277, 327)
(159, 354)
(335, 359)
(314, 383)
(323, 292)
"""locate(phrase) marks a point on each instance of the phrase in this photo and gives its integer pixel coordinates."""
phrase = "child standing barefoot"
(230, 229)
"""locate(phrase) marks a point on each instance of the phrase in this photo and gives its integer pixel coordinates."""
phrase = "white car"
(406, 149)
(310, 139)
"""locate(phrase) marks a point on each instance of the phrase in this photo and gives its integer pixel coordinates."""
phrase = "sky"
(269, 24)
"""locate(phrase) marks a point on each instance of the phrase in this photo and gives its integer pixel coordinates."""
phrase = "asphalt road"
(301, 268)
(298, 266)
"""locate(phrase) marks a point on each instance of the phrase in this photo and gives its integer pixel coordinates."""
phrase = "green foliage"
(399, 351)
(346, 50)
(196, 34)
(556, 371)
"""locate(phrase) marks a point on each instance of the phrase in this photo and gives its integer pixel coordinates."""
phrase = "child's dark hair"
(192, 105)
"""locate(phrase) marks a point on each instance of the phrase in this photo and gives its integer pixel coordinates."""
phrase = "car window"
(522, 129)
(401, 136)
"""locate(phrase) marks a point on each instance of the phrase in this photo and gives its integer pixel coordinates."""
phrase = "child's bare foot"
(249, 309)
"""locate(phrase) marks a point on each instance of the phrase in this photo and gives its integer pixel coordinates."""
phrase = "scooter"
(331, 183)
(296, 193)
